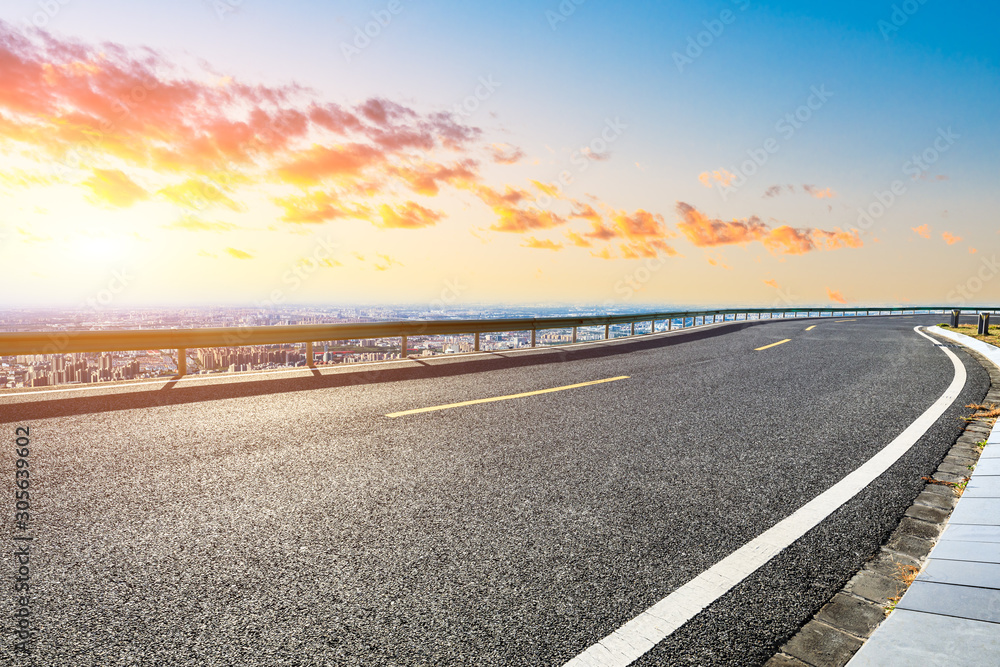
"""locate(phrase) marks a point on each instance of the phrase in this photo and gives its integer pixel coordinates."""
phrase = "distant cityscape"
(49, 370)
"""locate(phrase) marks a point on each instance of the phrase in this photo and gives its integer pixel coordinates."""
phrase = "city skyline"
(387, 153)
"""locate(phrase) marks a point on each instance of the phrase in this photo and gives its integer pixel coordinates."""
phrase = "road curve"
(283, 523)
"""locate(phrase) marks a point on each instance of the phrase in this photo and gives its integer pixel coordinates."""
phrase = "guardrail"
(61, 342)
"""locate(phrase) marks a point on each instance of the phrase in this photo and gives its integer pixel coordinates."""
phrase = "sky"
(251, 152)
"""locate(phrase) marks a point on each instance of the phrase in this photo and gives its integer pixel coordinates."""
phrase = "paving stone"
(984, 486)
(907, 545)
(820, 645)
(918, 528)
(939, 489)
(959, 470)
(872, 585)
(982, 552)
(978, 511)
(887, 561)
(784, 660)
(938, 500)
(948, 477)
(963, 533)
(957, 460)
(858, 617)
(978, 604)
(931, 514)
(912, 639)
(961, 573)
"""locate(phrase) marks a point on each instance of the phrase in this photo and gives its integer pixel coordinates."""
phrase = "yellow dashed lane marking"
(780, 342)
(811, 328)
(505, 398)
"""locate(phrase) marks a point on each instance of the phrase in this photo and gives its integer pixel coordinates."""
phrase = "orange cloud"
(834, 295)
(923, 230)
(972, 251)
(196, 194)
(238, 254)
(772, 283)
(578, 240)
(585, 212)
(319, 206)
(813, 191)
(410, 215)
(949, 239)
(505, 153)
(426, 179)
(192, 224)
(721, 176)
(386, 263)
(543, 244)
(705, 232)
(112, 186)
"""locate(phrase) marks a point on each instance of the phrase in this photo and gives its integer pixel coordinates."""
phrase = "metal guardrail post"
(607, 332)
(404, 347)
(534, 336)
(182, 365)
(574, 334)
(633, 329)
(477, 342)
(670, 324)
(310, 358)
(652, 326)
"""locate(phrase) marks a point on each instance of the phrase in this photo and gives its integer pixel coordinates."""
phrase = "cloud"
(949, 239)
(721, 176)
(597, 157)
(193, 224)
(196, 194)
(834, 295)
(705, 232)
(30, 237)
(119, 110)
(312, 166)
(386, 263)
(113, 187)
(585, 211)
(238, 254)
(410, 215)
(505, 153)
(813, 191)
(923, 230)
(578, 240)
(972, 251)
(426, 179)
(772, 283)
(318, 206)
(544, 244)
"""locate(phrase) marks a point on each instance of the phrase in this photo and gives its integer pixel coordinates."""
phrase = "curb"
(841, 627)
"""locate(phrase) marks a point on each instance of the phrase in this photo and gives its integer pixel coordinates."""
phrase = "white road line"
(634, 639)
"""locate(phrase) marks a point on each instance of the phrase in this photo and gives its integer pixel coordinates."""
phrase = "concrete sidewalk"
(950, 615)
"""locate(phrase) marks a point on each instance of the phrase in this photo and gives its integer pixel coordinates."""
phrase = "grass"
(957, 487)
(907, 574)
(993, 337)
(981, 445)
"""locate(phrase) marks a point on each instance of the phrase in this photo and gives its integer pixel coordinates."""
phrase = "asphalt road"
(291, 522)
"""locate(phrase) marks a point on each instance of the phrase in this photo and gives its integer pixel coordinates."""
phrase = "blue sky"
(560, 73)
